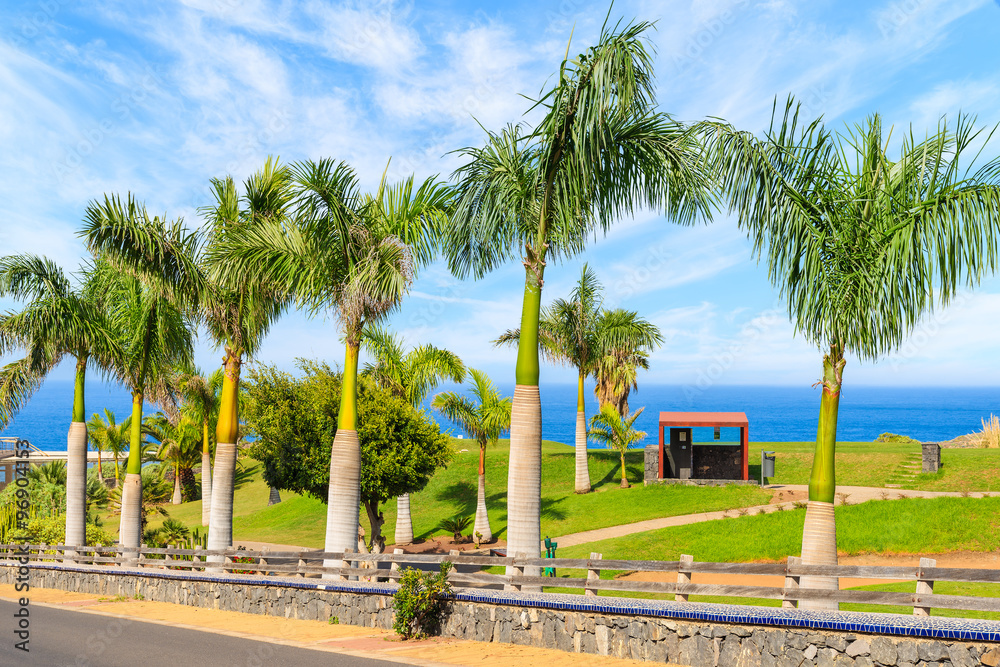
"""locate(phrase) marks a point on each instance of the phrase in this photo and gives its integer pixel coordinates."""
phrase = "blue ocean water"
(776, 414)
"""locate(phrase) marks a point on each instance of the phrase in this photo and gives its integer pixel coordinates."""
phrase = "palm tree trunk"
(482, 523)
(819, 534)
(220, 522)
(404, 523)
(624, 478)
(177, 498)
(582, 470)
(273, 496)
(524, 477)
(100, 472)
(130, 532)
(76, 465)
(344, 499)
(206, 475)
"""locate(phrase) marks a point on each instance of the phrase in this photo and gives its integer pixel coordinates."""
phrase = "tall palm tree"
(600, 151)
(59, 320)
(624, 343)
(238, 313)
(485, 417)
(355, 255)
(200, 397)
(146, 316)
(858, 242)
(411, 376)
(566, 335)
(615, 431)
(105, 434)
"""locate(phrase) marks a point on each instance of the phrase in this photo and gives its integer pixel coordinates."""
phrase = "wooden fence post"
(262, 562)
(791, 584)
(167, 558)
(195, 558)
(300, 568)
(924, 586)
(683, 576)
(139, 557)
(593, 574)
(516, 572)
(345, 563)
(394, 565)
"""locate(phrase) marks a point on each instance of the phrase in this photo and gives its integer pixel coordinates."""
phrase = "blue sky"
(157, 98)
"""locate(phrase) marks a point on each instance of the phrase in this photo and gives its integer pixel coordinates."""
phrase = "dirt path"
(959, 559)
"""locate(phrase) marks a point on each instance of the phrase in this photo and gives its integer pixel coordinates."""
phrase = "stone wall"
(526, 621)
(717, 462)
(651, 464)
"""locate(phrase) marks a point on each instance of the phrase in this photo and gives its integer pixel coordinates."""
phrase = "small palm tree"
(485, 417)
(600, 151)
(412, 376)
(178, 447)
(858, 241)
(106, 434)
(624, 343)
(614, 431)
(200, 398)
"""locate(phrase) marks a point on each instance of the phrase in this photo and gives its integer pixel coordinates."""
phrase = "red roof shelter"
(678, 421)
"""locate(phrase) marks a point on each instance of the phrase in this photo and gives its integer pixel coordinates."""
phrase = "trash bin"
(766, 465)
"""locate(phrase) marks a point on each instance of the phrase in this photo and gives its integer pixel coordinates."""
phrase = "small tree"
(293, 419)
(615, 431)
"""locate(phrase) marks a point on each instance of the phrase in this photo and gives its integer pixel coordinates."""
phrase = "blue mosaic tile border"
(845, 621)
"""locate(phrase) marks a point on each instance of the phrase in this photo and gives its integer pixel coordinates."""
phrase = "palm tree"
(566, 334)
(238, 312)
(485, 417)
(411, 376)
(624, 343)
(105, 434)
(600, 151)
(58, 321)
(857, 242)
(178, 447)
(200, 396)
(355, 255)
(614, 430)
(146, 316)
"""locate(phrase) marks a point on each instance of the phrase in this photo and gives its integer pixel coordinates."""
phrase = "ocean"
(775, 414)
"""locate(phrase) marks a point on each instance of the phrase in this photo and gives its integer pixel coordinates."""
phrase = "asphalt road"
(61, 637)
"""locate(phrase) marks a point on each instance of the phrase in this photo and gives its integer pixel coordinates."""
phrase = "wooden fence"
(386, 567)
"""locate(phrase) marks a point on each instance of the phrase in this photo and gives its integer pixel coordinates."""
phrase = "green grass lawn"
(873, 463)
(302, 520)
(924, 526)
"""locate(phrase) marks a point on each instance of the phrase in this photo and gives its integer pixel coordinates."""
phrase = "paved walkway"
(855, 494)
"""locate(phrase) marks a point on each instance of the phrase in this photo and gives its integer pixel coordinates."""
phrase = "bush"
(52, 530)
(896, 439)
(419, 603)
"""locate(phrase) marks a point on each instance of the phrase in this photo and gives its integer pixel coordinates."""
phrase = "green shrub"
(52, 530)
(895, 438)
(419, 603)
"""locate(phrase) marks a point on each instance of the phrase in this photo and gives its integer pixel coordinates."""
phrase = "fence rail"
(343, 565)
